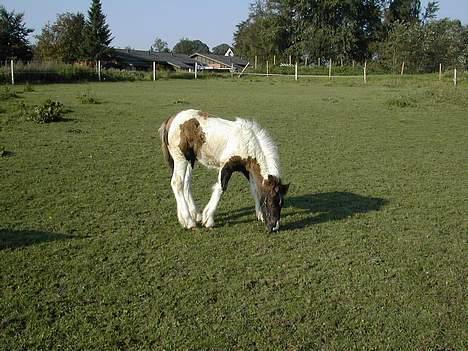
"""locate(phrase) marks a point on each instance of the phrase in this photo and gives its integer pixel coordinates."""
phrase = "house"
(219, 62)
(143, 60)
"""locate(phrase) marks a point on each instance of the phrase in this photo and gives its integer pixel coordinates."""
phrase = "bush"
(6, 93)
(87, 98)
(49, 111)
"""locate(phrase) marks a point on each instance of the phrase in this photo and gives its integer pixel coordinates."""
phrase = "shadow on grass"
(314, 209)
(13, 239)
(326, 207)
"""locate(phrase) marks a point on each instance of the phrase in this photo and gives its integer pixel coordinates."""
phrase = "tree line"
(384, 31)
(75, 37)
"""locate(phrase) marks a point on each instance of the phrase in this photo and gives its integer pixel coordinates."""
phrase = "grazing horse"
(228, 146)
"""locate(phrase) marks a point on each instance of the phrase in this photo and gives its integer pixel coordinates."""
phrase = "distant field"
(372, 255)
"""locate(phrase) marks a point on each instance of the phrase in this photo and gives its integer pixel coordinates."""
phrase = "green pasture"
(373, 248)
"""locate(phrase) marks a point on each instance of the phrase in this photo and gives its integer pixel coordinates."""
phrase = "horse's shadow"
(13, 239)
(314, 209)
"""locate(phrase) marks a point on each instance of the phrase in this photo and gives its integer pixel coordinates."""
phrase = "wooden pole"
(232, 70)
(318, 62)
(255, 62)
(341, 62)
(365, 72)
(12, 73)
(247, 65)
(330, 69)
(455, 77)
(402, 68)
(295, 72)
(196, 70)
(290, 60)
(267, 67)
(306, 61)
(440, 71)
(354, 63)
(154, 70)
(99, 69)
(274, 60)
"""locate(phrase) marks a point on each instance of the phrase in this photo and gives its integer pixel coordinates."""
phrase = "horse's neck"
(262, 148)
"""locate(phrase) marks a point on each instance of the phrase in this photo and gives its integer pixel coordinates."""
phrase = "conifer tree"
(98, 35)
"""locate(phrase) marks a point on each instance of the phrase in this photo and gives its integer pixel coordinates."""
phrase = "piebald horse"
(228, 146)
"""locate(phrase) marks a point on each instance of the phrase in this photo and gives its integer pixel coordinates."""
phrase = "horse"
(228, 146)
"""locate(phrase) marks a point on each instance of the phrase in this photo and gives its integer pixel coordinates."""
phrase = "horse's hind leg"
(177, 184)
(196, 215)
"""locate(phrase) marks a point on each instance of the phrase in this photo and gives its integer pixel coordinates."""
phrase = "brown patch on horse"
(164, 134)
(192, 138)
(204, 115)
(249, 167)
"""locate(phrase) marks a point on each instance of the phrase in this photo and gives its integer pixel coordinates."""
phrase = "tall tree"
(160, 45)
(189, 47)
(14, 41)
(98, 36)
(62, 40)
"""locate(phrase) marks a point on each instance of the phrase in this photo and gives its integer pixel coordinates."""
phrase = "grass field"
(372, 252)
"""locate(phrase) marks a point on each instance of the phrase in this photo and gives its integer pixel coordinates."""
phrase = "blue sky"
(136, 23)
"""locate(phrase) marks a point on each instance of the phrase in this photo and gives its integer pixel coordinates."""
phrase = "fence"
(58, 72)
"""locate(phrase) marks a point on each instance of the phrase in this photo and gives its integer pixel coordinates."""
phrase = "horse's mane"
(265, 150)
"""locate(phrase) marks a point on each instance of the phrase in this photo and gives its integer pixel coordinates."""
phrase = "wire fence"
(50, 72)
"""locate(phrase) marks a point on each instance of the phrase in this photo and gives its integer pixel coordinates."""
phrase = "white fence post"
(455, 77)
(440, 71)
(255, 62)
(99, 69)
(247, 65)
(365, 72)
(274, 60)
(154, 70)
(402, 68)
(295, 72)
(330, 69)
(12, 73)
(267, 68)
(196, 70)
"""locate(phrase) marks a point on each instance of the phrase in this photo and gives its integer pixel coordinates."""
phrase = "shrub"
(87, 98)
(49, 111)
(28, 88)
(6, 93)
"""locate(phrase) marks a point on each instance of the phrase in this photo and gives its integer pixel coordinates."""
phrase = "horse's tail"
(163, 133)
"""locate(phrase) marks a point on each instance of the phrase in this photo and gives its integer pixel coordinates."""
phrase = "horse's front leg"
(177, 184)
(196, 216)
(210, 208)
(254, 192)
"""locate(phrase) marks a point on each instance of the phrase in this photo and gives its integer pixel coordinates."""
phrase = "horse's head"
(271, 201)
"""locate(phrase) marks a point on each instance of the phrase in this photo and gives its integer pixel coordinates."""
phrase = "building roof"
(143, 57)
(224, 60)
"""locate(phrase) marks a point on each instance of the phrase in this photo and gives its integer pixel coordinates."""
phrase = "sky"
(137, 23)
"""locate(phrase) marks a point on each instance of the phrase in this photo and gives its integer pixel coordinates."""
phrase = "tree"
(97, 33)
(160, 45)
(221, 49)
(189, 47)
(63, 39)
(14, 41)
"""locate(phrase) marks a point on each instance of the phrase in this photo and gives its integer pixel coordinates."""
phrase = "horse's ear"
(284, 188)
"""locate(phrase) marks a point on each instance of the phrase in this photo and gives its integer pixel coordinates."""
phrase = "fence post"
(232, 70)
(12, 73)
(353, 64)
(154, 70)
(455, 77)
(196, 70)
(365, 72)
(295, 72)
(305, 64)
(440, 71)
(247, 65)
(290, 60)
(267, 67)
(318, 62)
(330, 69)
(99, 69)
(274, 60)
(255, 62)
(402, 68)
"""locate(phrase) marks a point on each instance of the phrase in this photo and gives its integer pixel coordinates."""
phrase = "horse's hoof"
(209, 223)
